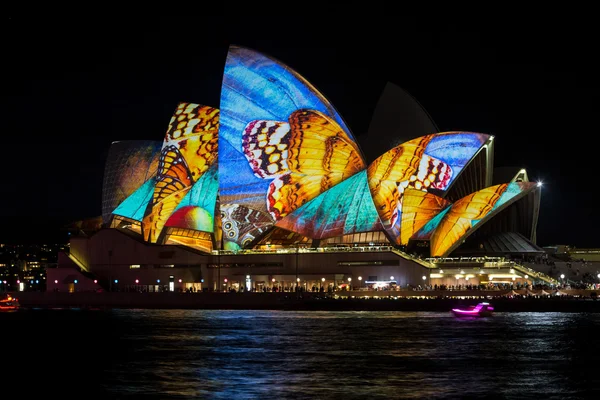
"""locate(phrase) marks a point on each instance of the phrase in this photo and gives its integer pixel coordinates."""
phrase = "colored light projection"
(281, 144)
(418, 208)
(197, 209)
(129, 164)
(470, 210)
(477, 208)
(344, 209)
(189, 149)
(425, 163)
(427, 230)
(135, 205)
(460, 218)
(242, 225)
(513, 192)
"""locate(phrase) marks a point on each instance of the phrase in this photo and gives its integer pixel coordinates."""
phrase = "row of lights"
(137, 281)
(116, 281)
(562, 276)
(298, 279)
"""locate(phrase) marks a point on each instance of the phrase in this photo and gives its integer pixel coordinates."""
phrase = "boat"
(480, 310)
(9, 303)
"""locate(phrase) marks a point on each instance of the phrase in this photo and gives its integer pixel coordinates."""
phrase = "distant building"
(23, 267)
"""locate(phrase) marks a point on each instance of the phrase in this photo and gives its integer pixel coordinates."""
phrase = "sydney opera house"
(271, 191)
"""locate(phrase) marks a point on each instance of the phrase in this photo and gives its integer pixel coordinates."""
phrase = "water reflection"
(258, 354)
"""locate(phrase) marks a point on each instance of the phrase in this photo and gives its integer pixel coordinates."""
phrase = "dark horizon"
(74, 89)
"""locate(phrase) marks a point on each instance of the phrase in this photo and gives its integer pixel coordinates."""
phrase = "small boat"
(480, 310)
(9, 303)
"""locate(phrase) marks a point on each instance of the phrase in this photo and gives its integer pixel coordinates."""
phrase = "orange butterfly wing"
(418, 207)
(189, 149)
(194, 129)
(304, 157)
(172, 183)
(459, 218)
(387, 173)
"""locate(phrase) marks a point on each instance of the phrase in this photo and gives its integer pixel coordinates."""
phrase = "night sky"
(70, 89)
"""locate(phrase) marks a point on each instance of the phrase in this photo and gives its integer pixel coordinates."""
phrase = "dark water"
(164, 354)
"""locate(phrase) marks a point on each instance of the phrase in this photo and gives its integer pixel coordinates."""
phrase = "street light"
(297, 251)
(562, 276)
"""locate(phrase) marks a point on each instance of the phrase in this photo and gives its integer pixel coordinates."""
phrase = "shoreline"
(295, 302)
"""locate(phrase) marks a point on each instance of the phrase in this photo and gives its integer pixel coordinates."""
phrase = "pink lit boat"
(480, 310)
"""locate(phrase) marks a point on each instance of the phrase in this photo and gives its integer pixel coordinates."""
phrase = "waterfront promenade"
(507, 300)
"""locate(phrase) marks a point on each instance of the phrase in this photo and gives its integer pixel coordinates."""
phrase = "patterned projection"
(427, 230)
(425, 163)
(188, 151)
(129, 164)
(418, 207)
(196, 210)
(461, 218)
(135, 205)
(278, 160)
(281, 144)
(344, 209)
(242, 225)
(513, 190)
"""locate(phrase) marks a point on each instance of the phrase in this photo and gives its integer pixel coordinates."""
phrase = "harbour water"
(219, 354)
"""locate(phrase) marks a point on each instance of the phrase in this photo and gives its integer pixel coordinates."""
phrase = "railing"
(453, 260)
(535, 274)
(294, 250)
(310, 250)
(407, 256)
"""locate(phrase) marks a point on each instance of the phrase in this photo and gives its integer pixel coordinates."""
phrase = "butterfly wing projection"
(418, 208)
(129, 165)
(344, 209)
(276, 130)
(196, 210)
(189, 149)
(431, 162)
(405, 166)
(242, 225)
(456, 149)
(135, 205)
(304, 157)
(459, 219)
